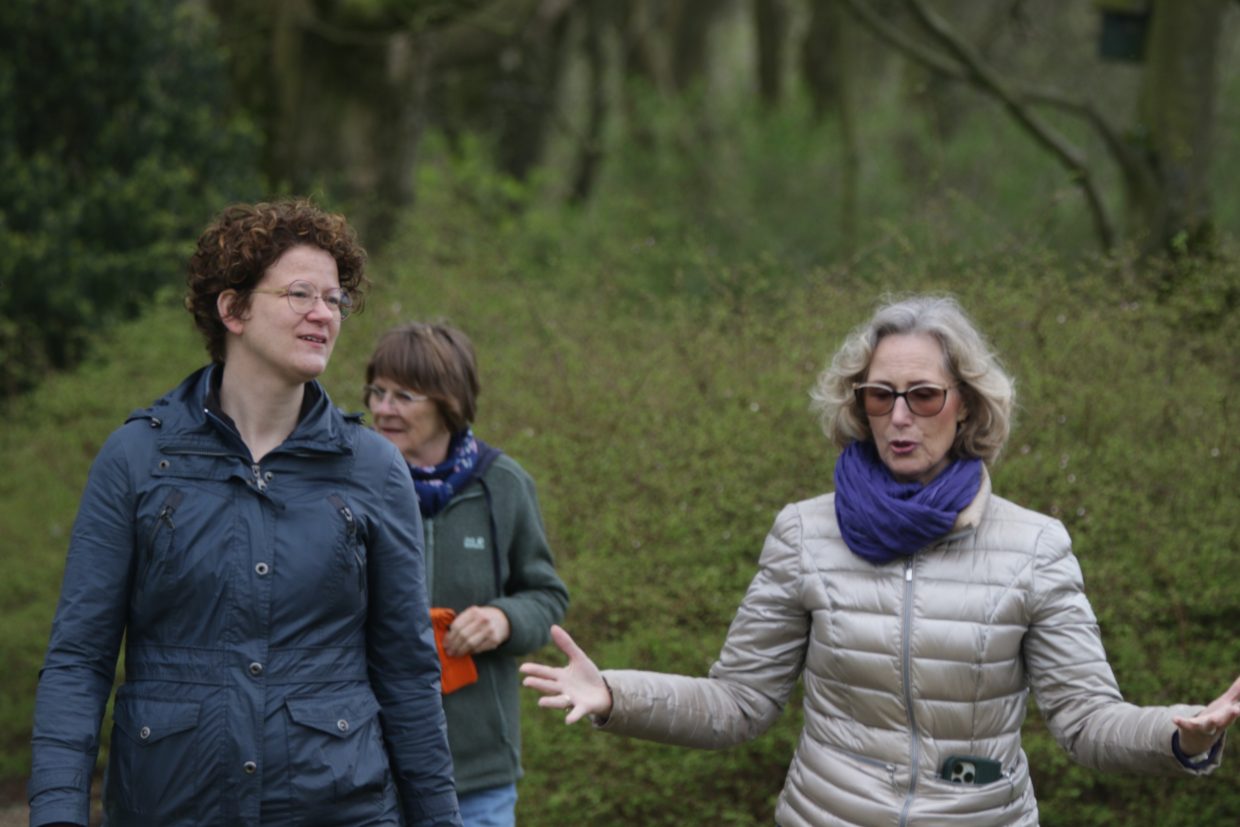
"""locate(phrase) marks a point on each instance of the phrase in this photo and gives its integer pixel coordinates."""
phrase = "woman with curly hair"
(261, 556)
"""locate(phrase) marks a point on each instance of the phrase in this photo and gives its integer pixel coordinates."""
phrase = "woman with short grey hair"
(917, 608)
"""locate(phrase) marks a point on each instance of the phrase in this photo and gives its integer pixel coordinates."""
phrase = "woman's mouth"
(902, 446)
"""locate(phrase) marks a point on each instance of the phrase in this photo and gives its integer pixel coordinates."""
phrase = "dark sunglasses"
(880, 400)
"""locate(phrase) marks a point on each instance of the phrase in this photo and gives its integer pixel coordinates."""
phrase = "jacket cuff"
(437, 810)
(59, 796)
(1187, 761)
(529, 628)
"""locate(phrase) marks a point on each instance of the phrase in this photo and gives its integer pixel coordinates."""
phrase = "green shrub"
(658, 395)
(115, 140)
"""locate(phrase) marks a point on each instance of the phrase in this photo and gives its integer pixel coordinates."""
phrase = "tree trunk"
(590, 153)
(1170, 209)
(771, 19)
(691, 22)
(525, 94)
(843, 70)
(341, 108)
(642, 52)
(818, 65)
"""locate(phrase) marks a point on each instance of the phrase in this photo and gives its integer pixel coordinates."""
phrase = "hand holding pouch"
(458, 670)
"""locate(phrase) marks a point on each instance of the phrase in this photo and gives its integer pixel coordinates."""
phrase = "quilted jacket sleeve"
(80, 665)
(1072, 682)
(403, 664)
(751, 681)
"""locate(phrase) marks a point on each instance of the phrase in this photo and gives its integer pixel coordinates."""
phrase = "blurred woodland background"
(657, 219)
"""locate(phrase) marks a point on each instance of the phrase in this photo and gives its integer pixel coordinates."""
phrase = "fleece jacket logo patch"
(479, 543)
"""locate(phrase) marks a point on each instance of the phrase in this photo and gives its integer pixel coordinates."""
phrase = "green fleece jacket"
(484, 728)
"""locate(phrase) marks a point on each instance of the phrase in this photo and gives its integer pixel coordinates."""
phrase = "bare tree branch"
(968, 66)
(952, 70)
(1068, 154)
(479, 35)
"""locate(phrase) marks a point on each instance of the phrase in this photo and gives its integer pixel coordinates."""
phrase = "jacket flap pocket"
(339, 715)
(148, 721)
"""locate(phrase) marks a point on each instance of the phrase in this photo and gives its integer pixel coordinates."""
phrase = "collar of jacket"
(185, 424)
(968, 519)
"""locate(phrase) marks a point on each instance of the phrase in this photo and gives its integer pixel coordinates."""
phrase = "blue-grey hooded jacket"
(280, 667)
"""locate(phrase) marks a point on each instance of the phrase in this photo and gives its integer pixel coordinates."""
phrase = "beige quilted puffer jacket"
(904, 665)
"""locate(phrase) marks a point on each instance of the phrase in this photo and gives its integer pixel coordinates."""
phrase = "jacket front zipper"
(906, 661)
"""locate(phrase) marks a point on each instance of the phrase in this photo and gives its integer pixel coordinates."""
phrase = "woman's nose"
(900, 412)
(321, 310)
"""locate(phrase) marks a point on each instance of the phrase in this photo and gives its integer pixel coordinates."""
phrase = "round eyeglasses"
(302, 297)
(398, 396)
(922, 400)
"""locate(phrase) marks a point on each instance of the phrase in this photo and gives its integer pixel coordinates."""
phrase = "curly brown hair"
(236, 249)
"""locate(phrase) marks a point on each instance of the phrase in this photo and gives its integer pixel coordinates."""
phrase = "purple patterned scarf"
(436, 484)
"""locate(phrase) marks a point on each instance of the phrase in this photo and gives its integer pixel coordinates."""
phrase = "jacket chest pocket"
(160, 548)
(349, 558)
(183, 535)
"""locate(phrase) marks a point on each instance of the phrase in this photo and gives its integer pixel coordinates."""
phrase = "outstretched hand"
(578, 687)
(1198, 733)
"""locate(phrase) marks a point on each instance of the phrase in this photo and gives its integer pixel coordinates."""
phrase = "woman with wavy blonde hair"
(918, 608)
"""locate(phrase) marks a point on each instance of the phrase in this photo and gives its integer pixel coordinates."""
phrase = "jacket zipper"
(162, 520)
(428, 553)
(350, 533)
(907, 665)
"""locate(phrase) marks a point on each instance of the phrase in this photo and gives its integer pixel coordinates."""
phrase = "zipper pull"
(350, 525)
(908, 572)
(165, 516)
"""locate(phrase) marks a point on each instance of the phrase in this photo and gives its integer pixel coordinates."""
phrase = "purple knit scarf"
(883, 519)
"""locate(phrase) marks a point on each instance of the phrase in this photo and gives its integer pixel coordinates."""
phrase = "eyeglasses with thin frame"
(400, 397)
(302, 297)
(922, 400)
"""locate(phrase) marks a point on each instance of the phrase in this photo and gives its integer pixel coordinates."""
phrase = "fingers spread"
(564, 641)
(548, 686)
(538, 670)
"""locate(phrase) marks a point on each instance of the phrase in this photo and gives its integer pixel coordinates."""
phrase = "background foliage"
(646, 354)
(116, 143)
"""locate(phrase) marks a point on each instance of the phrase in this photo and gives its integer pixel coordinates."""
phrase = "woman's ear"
(224, 305)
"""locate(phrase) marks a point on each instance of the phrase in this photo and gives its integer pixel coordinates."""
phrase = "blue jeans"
(492, 807)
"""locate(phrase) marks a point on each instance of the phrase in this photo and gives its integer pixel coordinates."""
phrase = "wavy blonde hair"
(985, 387)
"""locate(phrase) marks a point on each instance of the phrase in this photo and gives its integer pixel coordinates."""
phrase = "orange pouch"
(458, 671)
